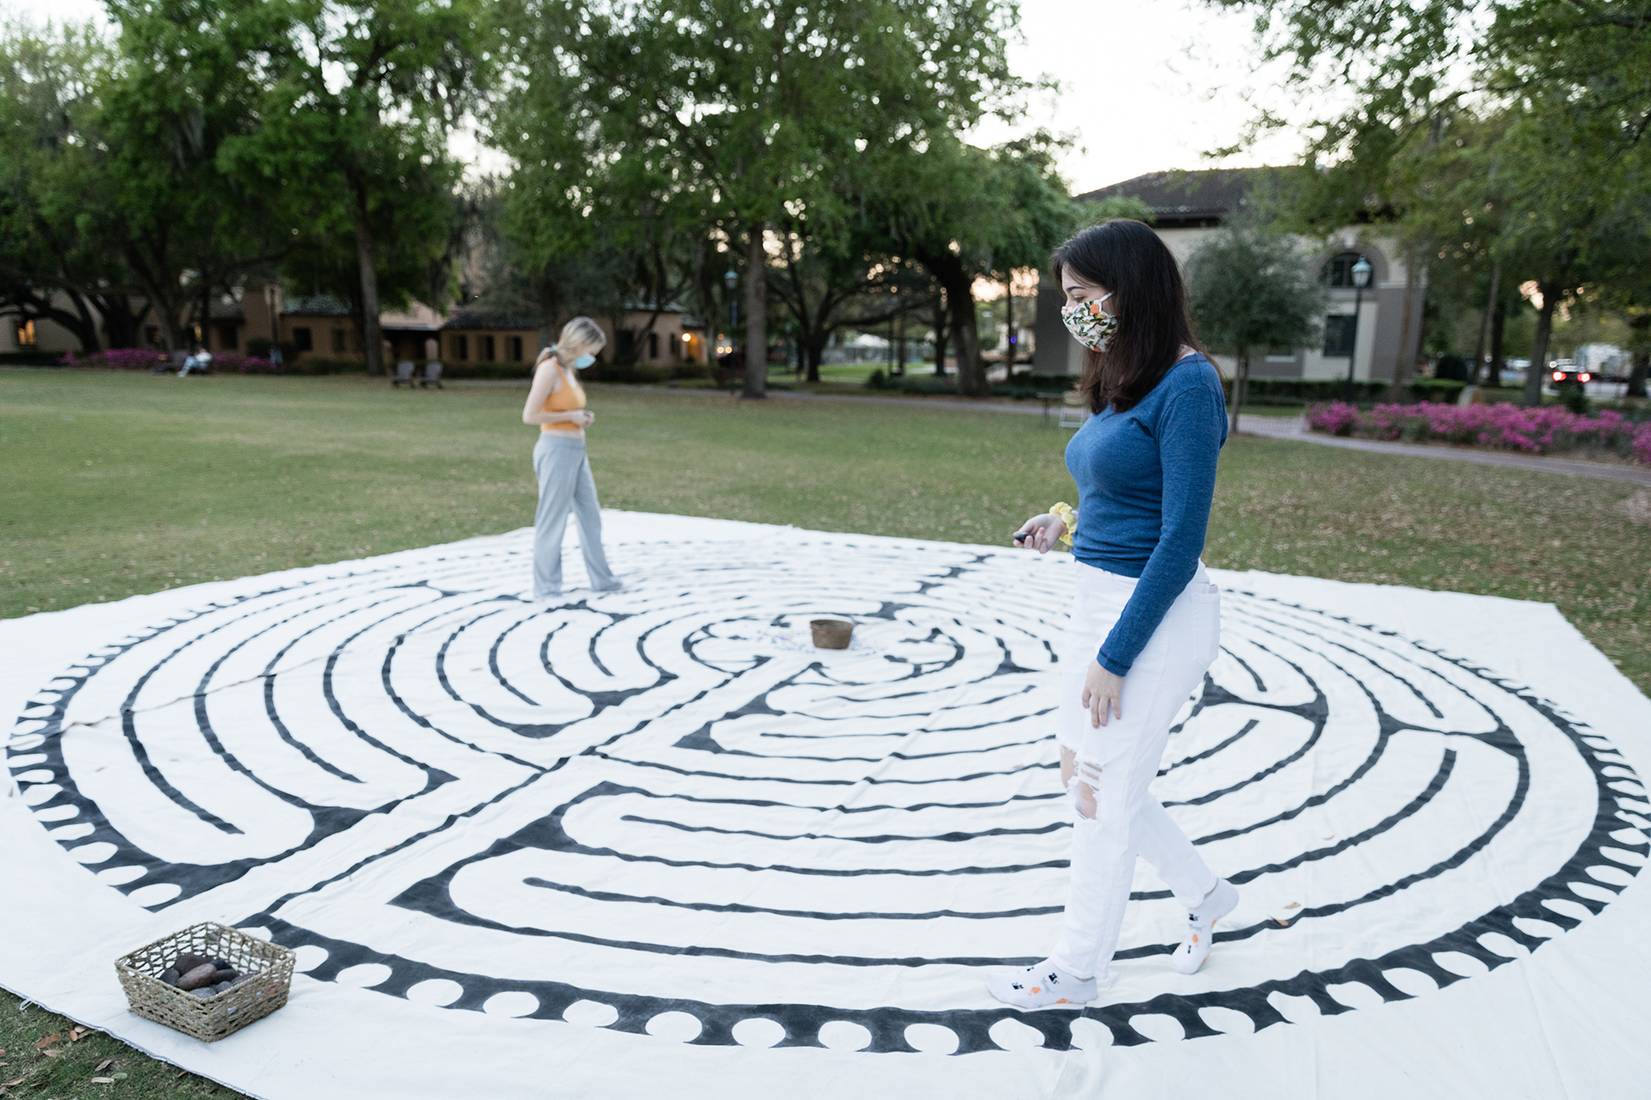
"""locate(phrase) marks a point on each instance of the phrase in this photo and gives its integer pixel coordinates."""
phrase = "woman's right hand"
(584, 418)
(1040, 533)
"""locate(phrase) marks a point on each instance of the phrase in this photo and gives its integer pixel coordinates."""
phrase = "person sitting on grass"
(199, 361)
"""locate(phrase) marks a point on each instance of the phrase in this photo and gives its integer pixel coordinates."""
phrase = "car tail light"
(1559, 376)
(1584, 376)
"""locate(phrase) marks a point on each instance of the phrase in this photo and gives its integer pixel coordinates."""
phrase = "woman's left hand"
(1102, 694)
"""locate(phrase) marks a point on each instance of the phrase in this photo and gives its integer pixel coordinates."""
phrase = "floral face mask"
(1089, 324)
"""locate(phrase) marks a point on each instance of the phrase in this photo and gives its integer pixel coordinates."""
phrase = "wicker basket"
(831, 633)
(266, 970)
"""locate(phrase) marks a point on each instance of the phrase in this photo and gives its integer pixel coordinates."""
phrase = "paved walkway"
(1295, 428)
(1268, 426)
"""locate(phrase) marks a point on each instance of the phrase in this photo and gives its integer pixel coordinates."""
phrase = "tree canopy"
(1509, 137)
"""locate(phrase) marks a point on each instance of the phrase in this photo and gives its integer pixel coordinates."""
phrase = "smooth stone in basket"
(831, 633)
(187, 961)
(202, 975)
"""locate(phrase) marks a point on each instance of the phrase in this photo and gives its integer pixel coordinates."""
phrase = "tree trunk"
(120, 323)
(1492, 303)
(900, 344)
(812, 351)
(941, 336)
(1538, 369)
(1405, 363)
(756, 314)
(206, 313)
(86, 327)
(960, 309)
(1009, 327)
(1498, 352)
(367, 262)
(167, 313)
(971, 372)
(1639, 325)
(1241, 386)
(162, 298)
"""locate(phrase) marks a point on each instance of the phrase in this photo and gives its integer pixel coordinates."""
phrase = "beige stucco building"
(322, 326)
(1189, 206)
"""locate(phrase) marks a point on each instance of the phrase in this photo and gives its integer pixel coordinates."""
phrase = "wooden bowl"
(831, 633)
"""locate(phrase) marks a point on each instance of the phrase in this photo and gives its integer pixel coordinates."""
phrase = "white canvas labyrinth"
(661, 815)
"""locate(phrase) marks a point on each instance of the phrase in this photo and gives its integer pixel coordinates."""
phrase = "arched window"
(1338, 270)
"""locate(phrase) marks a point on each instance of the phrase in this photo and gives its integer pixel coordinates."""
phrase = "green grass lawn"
(117, 484)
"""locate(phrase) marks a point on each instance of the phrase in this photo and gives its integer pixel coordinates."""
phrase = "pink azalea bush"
(1334, 417)
(1542, 430)
(118, 359)
(150, 358)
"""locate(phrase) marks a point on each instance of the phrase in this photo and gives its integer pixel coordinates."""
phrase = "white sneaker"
(1201, 927)
(1041, 985)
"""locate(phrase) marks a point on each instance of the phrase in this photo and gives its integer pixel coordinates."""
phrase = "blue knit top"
(1145, 481)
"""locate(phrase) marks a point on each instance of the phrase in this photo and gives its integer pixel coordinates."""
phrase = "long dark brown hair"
(1129, 259)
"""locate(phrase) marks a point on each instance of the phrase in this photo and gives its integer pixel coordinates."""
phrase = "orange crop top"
(567, 397)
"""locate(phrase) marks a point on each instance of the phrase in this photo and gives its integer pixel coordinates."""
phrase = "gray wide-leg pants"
(565, 483)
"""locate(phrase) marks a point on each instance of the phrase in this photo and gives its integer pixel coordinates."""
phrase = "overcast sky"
(1148, 84)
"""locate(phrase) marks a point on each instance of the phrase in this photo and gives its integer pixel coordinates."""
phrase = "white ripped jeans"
(1119, 760)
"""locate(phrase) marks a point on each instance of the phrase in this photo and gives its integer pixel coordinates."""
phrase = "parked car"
(1566, 372)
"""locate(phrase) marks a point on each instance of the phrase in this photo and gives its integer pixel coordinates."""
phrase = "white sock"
(1201, 927)
(1041, 985)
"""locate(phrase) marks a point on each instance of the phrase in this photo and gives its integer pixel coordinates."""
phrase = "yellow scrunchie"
(1063, 512)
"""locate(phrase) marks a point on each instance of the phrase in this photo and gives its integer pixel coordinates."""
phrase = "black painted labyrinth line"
(669, 781)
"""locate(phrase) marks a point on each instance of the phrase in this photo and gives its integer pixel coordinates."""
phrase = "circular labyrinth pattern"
(661, 812)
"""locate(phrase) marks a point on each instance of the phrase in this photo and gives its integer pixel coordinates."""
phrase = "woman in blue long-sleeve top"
(1146, 620)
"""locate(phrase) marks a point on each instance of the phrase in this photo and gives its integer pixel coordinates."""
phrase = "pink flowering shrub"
(1334, 417)
(1642, 443)
(242, 364)
(150, 358)
(1542, 430)
(118, 359)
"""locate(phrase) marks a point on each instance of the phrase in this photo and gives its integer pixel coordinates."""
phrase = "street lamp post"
(730, 279)
(1361, 279)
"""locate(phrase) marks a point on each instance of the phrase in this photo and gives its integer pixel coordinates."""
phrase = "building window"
(1338, 336)
(1338, 270)
(516, 349)
(26, 337)
(627, 344)
(653, 346)
(301, 338)
(461, 348)
(338, 339)
(488, 348)
(228, 337)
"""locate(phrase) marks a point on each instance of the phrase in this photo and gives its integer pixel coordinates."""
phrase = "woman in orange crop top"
(556, 402)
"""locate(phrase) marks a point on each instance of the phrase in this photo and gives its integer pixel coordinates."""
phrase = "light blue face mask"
(582, 362)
